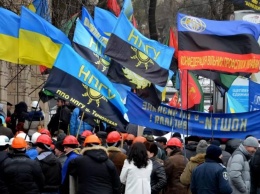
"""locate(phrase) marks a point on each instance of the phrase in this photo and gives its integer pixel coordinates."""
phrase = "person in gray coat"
(238, 166)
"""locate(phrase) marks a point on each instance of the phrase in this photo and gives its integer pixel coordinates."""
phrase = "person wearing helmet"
(45, 131)
(26, 138)
(70, 144)
(35, 119)
(50, 165)
(115, 153)
(128, 142)
(22, 175)
(83, 136)
(140, 139)
(32, 152)
(4, 158)
(95, 172)
(5, 131)
(174, 166)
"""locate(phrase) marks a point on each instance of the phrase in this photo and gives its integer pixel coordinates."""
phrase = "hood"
(244, 151)
(98, 153)
(21, 107)
(199, 158)
(113, 149)
(48, 158)
(191, 146)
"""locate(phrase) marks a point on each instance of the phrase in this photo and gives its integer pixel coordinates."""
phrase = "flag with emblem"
(216, 45)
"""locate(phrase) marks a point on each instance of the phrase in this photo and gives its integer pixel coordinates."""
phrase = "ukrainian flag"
(39, 41)
(9, 28)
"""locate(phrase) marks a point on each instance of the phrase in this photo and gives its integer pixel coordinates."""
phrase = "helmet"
(44, 139)
(124, 135)
(113, 137)
(19, 143)
(92, 139)
(174, 142)
(45, 131)
(139, 139)
(11, 141)
(86, 133)
(24, 136)
(35, 104)
(34, 137)
(4, 140)
(130, 137)
(70, 140)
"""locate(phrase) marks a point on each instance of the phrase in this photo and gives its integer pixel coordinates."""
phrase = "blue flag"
(233, 105)
(41, 8)
(128, 9)
(72, 63)
(254, 96)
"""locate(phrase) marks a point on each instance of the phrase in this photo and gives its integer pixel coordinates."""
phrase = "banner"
(167, 118)
(251, 4)
(254, 96)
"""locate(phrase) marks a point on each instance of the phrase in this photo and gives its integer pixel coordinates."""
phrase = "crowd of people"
(59, 159)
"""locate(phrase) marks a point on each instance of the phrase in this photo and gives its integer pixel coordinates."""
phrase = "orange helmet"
(45, 131)
(130, 137)
(174, 142)
(70, 140)
(139, 139)
(44, 139)
(86, 133)
(113, 137)
(19, 143)
(92, 139)
(124, 135)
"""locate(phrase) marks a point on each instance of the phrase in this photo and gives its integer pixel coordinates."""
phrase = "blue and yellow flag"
(147, 58)
(85, 44)
(233, 106)
(9, 29)
(72, 63)
(41, 8)
(128, 9)
(39, 41)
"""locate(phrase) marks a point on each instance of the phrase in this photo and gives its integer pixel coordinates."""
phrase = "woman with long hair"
(137, 170)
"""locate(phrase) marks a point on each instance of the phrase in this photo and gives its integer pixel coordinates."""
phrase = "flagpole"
(187, 98)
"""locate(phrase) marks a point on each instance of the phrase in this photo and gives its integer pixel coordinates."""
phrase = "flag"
(74, 65)
(174, 102)
(233, 105)
(39, 41)
(253, 4)
(85, 44)
(254, 96)
(217, 45)
(66, 27)
(113, 6)
(191, 91)
(128, 9)
(9, 29)
(41, 8)
(102, 17)
(145, 57)
(173, 42)
(89, 24)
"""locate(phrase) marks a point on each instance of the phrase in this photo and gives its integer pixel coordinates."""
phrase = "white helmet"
(34, 137)
(11, 141)
(35, 105)
(4, 140)
(24, 136)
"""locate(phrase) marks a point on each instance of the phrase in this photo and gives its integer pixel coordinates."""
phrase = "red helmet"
(45, 131)
(70, 140)
(139, 139)
(86, 133)
(113, 137)
(174, 142)
(45, 139)
(130, 137)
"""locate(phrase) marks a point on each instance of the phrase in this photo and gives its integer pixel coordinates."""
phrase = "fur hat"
(251, 142)
(201, 147)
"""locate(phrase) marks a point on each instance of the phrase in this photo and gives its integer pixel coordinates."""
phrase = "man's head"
(9, 106)
(60, 102)
(162, 141)
(251, 144)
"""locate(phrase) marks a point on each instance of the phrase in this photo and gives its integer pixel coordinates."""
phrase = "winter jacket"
(210, 178)
(192, 164)
(158, 176)
(19, 115)
(174, 167)
(225, 157)
(4, 158)
(23, 175)
(51, 169)
(190, 150)
(34, 119)
(117, 157)
(75, 120)
(136, 180)
(239, 171)
(96, 174)
(255, 173)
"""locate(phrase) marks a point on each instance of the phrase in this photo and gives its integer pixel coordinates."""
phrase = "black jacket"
(23, 175)
(51, 168)
(95, 172)
(4, 158)
(210, 177)
(255, 173)
(158, 176)
(190, 149)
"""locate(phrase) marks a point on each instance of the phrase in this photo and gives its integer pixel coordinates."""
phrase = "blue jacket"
(75, 122)
(210, 178)
(32, 153)
(70, 156)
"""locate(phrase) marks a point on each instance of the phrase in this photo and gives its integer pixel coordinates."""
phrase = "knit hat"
(251, 142)
(213, 152)
(215, 142)
(201, 147)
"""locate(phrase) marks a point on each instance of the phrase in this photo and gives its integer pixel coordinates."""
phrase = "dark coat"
(158, 176)
(117, 157)
(210, 178)
(95, 172)
(6, 131)
(4, 158)
(23, 175)
(174, 167)
(190, 149)
(255, 173)
(19, 115)
(51, 168)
